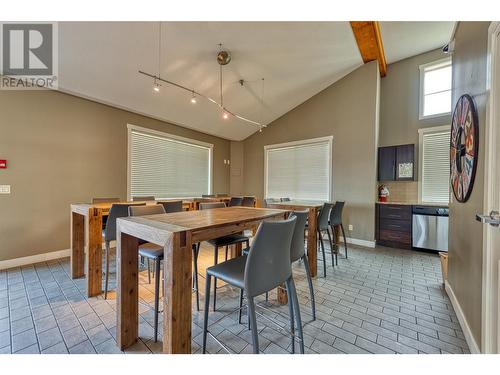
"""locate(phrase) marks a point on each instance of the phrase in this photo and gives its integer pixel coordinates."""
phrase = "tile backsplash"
(402, 191)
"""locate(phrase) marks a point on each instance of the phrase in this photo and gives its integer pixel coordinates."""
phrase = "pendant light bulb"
(156, 86)
(225, 116)
(193, 98)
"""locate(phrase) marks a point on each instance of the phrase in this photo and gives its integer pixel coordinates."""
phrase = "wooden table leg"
(282, 295)
(235, 250)
(127, 297)
(77, 245)
(312, 238)
(94, 253)
(177, 299)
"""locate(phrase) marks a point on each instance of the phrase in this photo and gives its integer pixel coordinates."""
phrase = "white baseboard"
(17, 262)
(473, 346)
(358, 242)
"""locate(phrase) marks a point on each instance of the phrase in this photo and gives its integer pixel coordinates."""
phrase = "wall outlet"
(351, 227)
(4, 189)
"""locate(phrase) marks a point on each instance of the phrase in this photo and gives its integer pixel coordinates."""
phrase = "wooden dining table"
(176, 232)
(313, 208)
(86, 229)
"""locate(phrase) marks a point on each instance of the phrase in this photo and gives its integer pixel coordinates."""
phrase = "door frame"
(490, 322)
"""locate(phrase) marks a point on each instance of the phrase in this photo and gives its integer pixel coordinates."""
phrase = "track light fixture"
(193, 98)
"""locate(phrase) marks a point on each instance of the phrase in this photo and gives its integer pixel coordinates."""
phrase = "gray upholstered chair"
(269, 201)
(146, 198)
(248, 202)
(336, 221)
(266, 267)
(224, 241)
(109, 233)
(235, 201)
(323, 217)
(285, 199)
(153, 252)
(171, 206)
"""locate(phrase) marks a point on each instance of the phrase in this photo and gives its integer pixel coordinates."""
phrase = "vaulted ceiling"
(100, 61)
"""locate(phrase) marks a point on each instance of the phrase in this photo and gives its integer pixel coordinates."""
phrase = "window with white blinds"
(167, 166)
(299, 170)
(435, 165)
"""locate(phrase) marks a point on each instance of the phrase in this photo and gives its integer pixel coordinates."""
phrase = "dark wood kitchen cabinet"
(396, 163)
(393, 225)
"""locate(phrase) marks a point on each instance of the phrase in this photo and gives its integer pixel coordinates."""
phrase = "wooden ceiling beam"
(369, 40)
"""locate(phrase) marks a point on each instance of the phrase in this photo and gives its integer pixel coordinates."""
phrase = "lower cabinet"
(393, 225)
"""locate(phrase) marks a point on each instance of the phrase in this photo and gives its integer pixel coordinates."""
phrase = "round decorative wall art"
(464, 145)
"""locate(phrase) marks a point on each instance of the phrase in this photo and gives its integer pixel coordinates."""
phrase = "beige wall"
(237, 168)
(466, 234)
(63, 149)
(348, 111)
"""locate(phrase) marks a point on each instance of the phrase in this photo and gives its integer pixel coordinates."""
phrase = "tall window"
(167, 166)
(434, 183)
(435, 89)
(299, 170)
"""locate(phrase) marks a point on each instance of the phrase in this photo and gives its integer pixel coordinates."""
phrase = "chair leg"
(227, 247)
(296, 308)
(292, 320)
(196, 249)
(157, 295)
(216, 261)
(205, 313)
(331, 246)
(241, 306)
(309, 281)
(253, 324)
(107, 271)
(345, 240)
(323, 251)
(149, 271)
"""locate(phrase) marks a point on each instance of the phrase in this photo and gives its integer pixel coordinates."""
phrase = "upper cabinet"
(396, 163)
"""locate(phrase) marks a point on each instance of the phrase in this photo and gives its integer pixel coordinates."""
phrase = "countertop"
(415, 204)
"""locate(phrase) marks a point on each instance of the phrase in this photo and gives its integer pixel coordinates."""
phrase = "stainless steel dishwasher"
(430, 228)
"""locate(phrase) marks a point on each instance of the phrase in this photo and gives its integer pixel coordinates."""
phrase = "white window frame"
(329, 139)
(421, 132)
(423, 68)
(131, 127)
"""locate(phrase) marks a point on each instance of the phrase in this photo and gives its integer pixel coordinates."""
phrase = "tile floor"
(377, 301)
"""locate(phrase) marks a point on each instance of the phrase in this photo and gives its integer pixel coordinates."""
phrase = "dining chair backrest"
(336, 214)
(285, 199)
(268, 263)
(117, 210)
(208, 195)
(248, 202)
(152, 209)
(269, 201)
(143, 199)
(297, 249)
(105, 200)
(324, 216)
(207, 206)
(171, 206)
(221, 195)
(235, 201)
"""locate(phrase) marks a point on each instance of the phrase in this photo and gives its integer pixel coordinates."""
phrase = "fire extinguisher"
(383, 193)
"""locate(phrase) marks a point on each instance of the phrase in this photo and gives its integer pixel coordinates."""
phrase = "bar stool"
(109, 233)
(171, 206)
(235, 201)
(266, 267)
(153, 252)
(226, 241)
(248, 202)
(336, 221)
(322, 222)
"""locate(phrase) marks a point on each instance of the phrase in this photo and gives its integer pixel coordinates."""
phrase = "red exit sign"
(3, 164)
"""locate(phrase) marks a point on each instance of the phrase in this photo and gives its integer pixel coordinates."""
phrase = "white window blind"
(166, 167)
(301, 170)
(435, 159)
(435, 88)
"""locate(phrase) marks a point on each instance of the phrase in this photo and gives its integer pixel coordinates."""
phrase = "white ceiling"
(405, 39)
(100, 61)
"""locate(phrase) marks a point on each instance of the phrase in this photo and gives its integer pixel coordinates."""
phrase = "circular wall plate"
(464, 147)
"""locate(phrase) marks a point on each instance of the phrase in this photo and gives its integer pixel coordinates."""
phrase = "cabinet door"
(386, 163)
(405, 165)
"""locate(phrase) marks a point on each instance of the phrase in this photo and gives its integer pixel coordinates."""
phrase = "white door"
(491, 235)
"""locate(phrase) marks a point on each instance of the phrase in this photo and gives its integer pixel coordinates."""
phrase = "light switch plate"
(4, 189)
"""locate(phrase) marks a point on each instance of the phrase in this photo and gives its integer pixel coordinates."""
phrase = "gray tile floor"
(377, 301)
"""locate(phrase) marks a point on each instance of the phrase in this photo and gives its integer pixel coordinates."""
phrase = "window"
(167, 166)
(434, 182)
(299, 170)
(435, 89)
